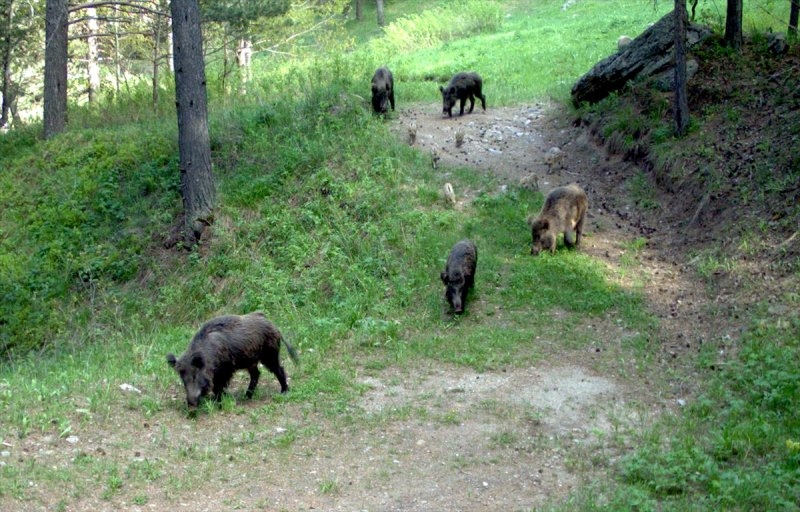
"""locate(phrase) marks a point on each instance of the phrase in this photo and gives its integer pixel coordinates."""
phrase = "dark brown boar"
(462, 86)
(382, 90)
(224, 345)
(564, 211)
(459, 274)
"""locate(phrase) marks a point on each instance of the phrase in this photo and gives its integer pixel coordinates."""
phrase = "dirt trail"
(558, 424)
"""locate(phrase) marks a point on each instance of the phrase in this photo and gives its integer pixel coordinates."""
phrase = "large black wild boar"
(564, 211)
(226, 344)
(461, 87)
(459, 273)
(382, 90)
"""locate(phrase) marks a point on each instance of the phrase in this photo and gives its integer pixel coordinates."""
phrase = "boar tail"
(292, 351)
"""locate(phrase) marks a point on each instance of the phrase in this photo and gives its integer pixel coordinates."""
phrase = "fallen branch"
(700, 207)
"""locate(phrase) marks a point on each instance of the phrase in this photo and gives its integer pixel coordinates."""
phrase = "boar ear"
(544, 224)
(441, 89)
(197, 361)
(443, 275)
(171, 360)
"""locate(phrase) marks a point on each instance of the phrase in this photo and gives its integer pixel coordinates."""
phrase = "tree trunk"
(93, 67)
(8, 14)
(359, 10)
(681, 103)
(244, 59)
(379, 8)
(117, 57)
(156, 57)
(794, 14)
(733, 25)
(197, 182)
(55, 68)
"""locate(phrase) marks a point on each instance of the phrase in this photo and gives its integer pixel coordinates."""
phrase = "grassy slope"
(337, 232)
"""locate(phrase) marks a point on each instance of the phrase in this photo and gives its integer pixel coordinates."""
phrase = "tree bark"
(359, 10)
(8, 15)
(244, 59)
(733, 25)
(55, 68)
(381, 17)
(681, 102)
(157, 26)
(197, 182)
(93, 67)
(794, 14)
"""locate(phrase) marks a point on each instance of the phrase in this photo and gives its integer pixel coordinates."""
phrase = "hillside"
(653, 368)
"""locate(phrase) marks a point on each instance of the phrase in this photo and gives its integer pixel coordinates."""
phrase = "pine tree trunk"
(8, 14)
(733, 25)
(381, 17)
(55, 68)
(197, 182)
(93, 67)
(681, 105)
(794, 14)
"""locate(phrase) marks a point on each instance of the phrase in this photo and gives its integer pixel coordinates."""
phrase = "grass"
(334, 229)
(734, 448)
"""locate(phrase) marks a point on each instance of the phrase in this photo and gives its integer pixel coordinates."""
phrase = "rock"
(127, 388)
(647, 55)
(776, 42)
(665, 81)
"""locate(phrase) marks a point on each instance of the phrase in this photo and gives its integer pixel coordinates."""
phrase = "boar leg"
(471, 103)
(569, 238)
(254, 374)
(579, 230)
(274, 366)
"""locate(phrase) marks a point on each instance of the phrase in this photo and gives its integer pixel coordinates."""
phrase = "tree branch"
(138, 7)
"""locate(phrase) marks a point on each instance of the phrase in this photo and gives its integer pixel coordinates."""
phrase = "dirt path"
(472, 444)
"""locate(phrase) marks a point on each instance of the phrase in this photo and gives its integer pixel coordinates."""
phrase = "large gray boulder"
(648, 55)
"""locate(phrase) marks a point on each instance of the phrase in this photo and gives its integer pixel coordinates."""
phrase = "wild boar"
(461, 87)
(459, 274)
(564, 211)
(382, 90)
(226, 344)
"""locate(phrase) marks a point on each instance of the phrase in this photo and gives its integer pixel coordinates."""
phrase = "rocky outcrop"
(649, 55)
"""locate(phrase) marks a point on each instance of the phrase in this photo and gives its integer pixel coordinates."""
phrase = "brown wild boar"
(226, 344)
(459, 274)
(564, 211)
(382, 90)
(462, 86)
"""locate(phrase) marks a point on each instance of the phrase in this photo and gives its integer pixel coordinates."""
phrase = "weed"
(329, 487)
(642, 191)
